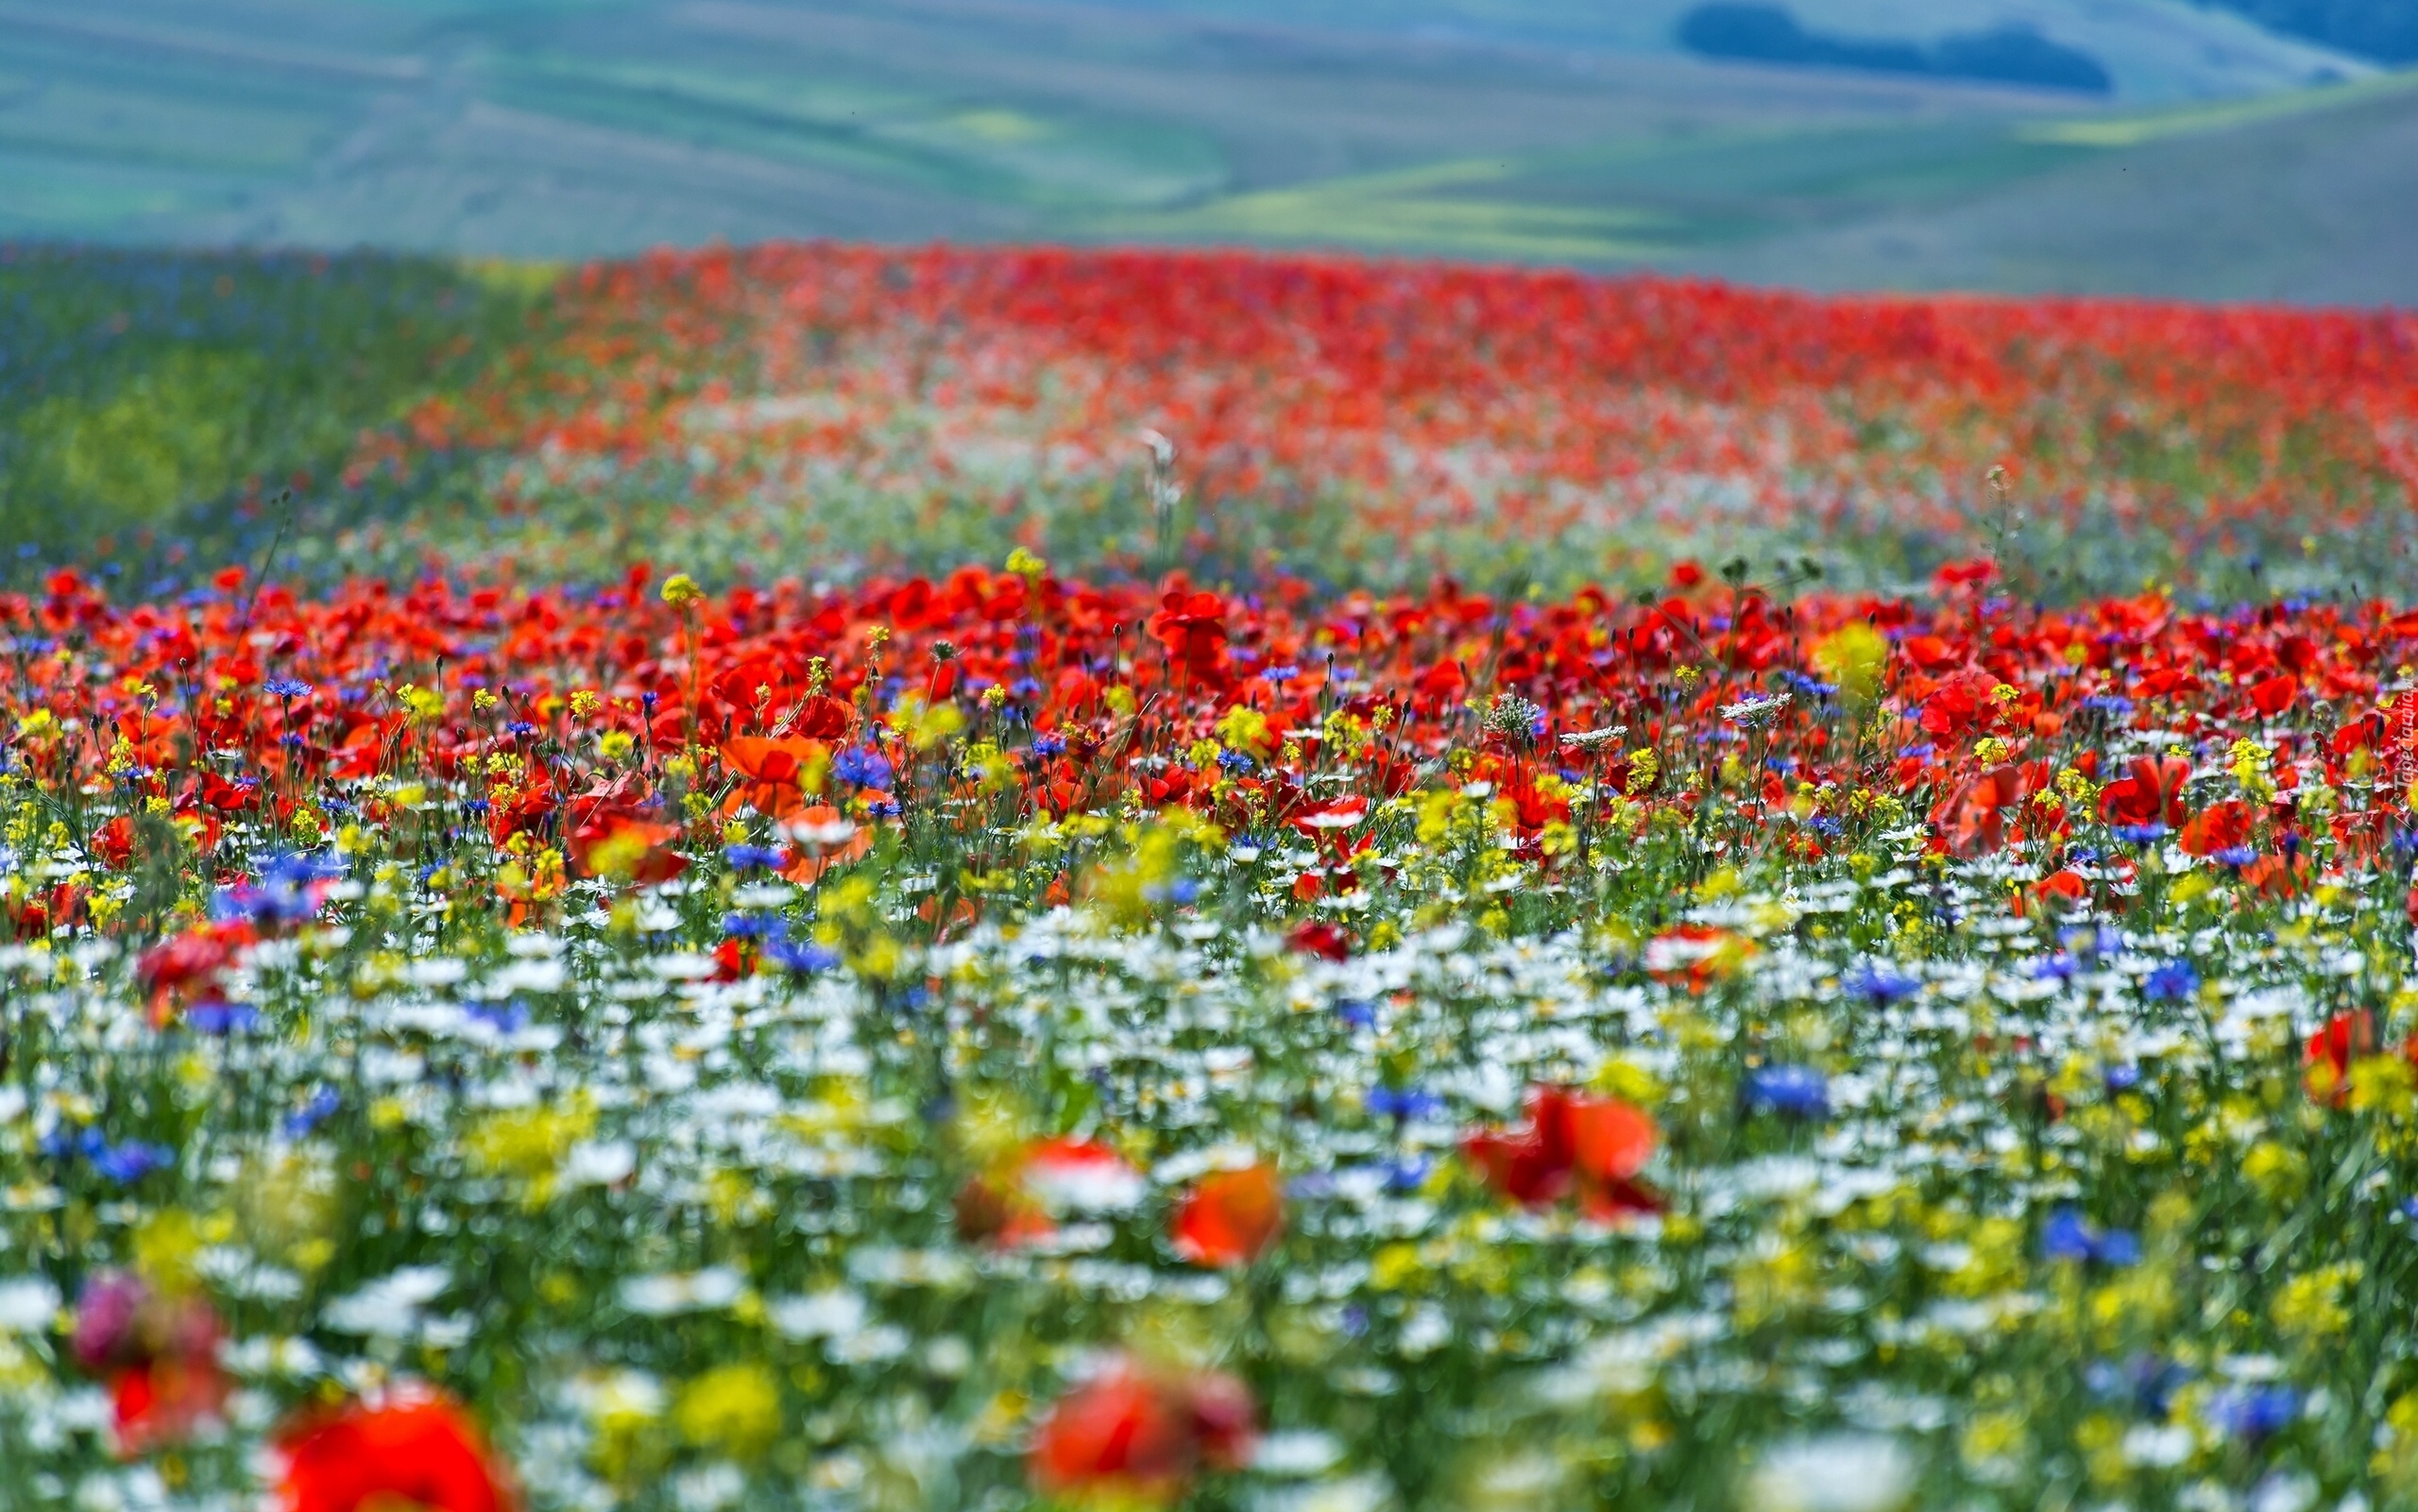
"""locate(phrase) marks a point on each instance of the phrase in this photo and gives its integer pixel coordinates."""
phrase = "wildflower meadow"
(1032, 879)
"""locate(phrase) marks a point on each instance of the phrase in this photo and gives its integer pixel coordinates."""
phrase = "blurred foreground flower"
(1134, 1436)
(1573, 1143)
(159, 1354)
(1230, 1217)
(412, 1448)
(1837, 1473)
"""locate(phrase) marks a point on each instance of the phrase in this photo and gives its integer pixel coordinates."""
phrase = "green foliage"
(150, 391)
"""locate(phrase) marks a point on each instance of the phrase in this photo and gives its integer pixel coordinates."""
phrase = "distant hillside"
(2386, 30)
(561, 129)
(2006, 54)
(2155, 51)
(2261, 201)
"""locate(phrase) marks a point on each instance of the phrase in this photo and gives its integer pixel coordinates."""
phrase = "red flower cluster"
(561, 719)
(1438, 395)
(1573, 1145)
(1136, 1436)
(157, 1350)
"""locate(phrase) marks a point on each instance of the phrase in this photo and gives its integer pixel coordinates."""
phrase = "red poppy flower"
(114, 843)
(2149, 793)
(2221, 827)
(413, 1448)
(1594, 1147)
(1230, 1217)
(772, 770)
(1317, 937)
(1137, 1437)
(191, 966)
(1193, 628)
(2328, 1055)
(2271, 696)
(821, 838)
(163, 1401)
(628, 849)
(1972, 820)
(1080, 1176)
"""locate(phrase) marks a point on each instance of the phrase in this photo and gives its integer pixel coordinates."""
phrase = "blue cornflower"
(2141, 833)
(2148, 1383)
(862, 767)
(322, 1106)
(520, 728)
(1916, 753)
(2089, 941)
(749, 927)
(2113, 705)
(1791, 1090)
(222, 1018)
(504, 1018)
(1179, 892)
(2254, 1412)
(132, 1161)
(2122, 1077)
(2173, 982)
(2059, 968)
(752, 858)
(2234, 856)
(1235, 761)
(286, 687)
(1357, 1011)
(1881, 986)
(1049, 746)
(1406, 1103)
(1280, 674)
(69, 1144)
(284, 894)
(2067, 1238)
(804, 957)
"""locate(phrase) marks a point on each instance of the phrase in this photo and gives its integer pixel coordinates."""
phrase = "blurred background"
(2262, 149)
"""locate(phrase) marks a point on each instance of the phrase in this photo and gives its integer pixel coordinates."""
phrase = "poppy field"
(847, 410)
(1073, 943)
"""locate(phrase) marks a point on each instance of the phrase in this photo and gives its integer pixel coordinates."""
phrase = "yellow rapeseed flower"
(733, 1410)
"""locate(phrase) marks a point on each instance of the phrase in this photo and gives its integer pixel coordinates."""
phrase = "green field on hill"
(570, 130)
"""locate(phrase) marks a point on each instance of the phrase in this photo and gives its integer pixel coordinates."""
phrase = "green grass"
(1019, 154)
(148, 396)
(2135, 128)
(1427, 208)
(1627, 201)
(81, 120)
